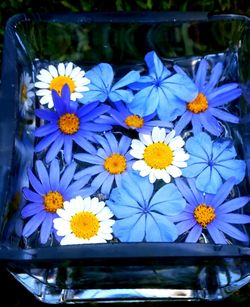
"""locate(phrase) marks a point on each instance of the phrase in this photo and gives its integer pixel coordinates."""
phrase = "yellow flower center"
(53, 201)
(115, 164)
(158, 155)
(24, 93)
(69, 123)
(204, 215)
(134, 121)
(84, 225)
(57, 84)
(198, 105)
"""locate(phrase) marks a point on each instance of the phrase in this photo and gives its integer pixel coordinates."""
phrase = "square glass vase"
(116, 271)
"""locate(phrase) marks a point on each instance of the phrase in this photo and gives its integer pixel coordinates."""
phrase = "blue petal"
(67, 177)
(73, 189)
(160, 229)
(55, 148)
(194, 234)
(113, 144)
(200, 146)
(107, 185)
(92, 170)
(94, 114)
(124, 144)
(131, 229)
(145, 101)
(54, 175)
(226, 88)
(43, 175)
(143, 82)
(194, 169)
(137, 187)
(231, 231)
(185, 225)
(33, 224)
(122, 211)
(84, 110)
(32, 209)
(197, 127)
(186, 192)
(232, 168)
(99, 179)
(197, 194)
(201, 74)
(214, 78)
(104, 143)
(223, 149)
(234, 218)
(45, 130)
(155, 66)
(47, 140)
(93, 96)
(46, 228)
(224, 98)
(83, 143)
(31, 196)
(38, 187)
(209, 181)
(46, 114)
(215, 234)
(225, 116)
(68, 144)
(167, 200)
(58, 103)
(209, 122)
(169, 106)
(84, 157)
(121, 95)
(129, 78)
(181, 86)
(223, 192)
(65, 94)
(233, 205)
(183, 122)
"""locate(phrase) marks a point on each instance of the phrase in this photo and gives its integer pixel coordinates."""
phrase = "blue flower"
(210, 213)
(141, 217)
(68, 124)
(161, 91)
(48, 194)
(111, 162)
(202, 111)
(121, 116)
(211, 162)
(102, 88)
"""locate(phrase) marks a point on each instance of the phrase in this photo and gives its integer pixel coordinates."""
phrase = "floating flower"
(211, 162)
(111, 162)
(161, 91)
(26, 94)
(206, 212)
(84, 221)
(102, 88)
(121, 116)
(141, 217)
(202, 111)
(54, 78)
(50, 191)
(68, 124)
(159, 155)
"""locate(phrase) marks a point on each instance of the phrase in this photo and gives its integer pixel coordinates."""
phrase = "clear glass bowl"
(126, 271)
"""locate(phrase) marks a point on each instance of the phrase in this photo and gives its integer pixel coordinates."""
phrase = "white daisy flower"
(26, 94)
(56, 77)
(84, 221)
(159, 155)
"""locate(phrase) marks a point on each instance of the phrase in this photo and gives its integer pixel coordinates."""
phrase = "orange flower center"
(198, 105)
(57, 84)
(69, 123)
(134, 121)
(84, 225)
(115, 164)
(158, 155)
(24, 93)
(204, 215)
(53, 201)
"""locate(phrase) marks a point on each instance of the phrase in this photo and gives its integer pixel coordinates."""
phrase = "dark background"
(11, 291)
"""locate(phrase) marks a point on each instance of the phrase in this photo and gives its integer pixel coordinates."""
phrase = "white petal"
(146, 171)
(152, 177)
(97, 239)
(97, 206)
(86, 204)
(50, 102)
(169, 136)
(69, 240)
(82, 81)
(105, 214)
(136, 154)
(45, 99)
(162, 135)
(82, 89)
(41, 85)
(181, 157)
(64, 214)
(166, 177)
(74, 72)
(46, 75)
(75, 96)
(138, 146)
(107, 223)
(176, 142)
(179, 163)
(155, 134)
(43, 92)
(146, 138)
(61, 69)
(44, 78)
(174, 171)
(105, 236)
(159, 173)
(68, 69)
(105, 229)
(139, 165)
(53, 71)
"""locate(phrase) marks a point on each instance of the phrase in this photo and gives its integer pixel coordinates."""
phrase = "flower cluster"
(139, 158)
